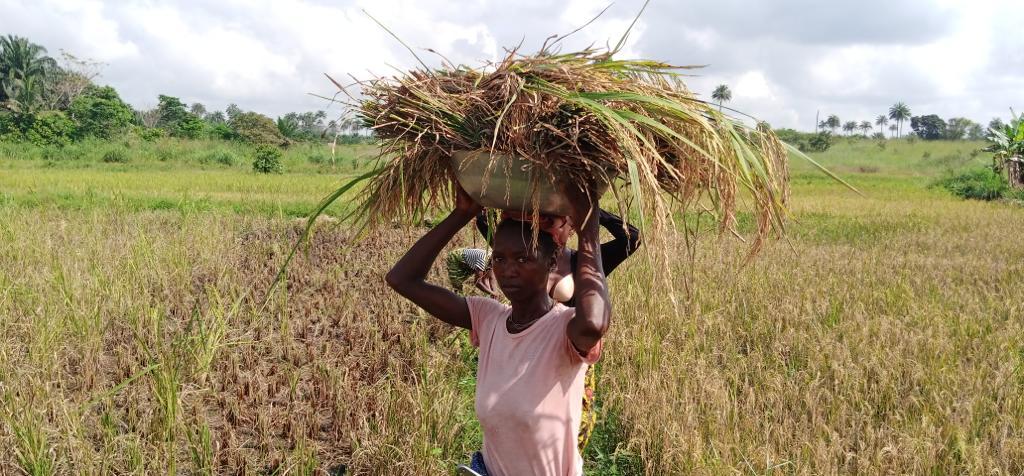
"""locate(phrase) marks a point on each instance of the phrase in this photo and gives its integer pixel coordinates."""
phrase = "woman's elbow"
(394, 280)
(596, 324)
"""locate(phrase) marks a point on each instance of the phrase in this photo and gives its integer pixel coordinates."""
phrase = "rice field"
(884, 335)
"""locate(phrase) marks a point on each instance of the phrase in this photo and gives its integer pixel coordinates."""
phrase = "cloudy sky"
(784, 59)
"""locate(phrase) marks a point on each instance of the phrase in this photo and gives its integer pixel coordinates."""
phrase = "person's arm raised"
(626, 241)
(409, 275)
(593, 309)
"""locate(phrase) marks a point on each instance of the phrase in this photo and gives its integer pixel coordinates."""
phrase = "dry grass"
(888, 339)
(578, 118)
(133, 354)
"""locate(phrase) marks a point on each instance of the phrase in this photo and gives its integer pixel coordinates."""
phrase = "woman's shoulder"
(483, 307)
(484, 313)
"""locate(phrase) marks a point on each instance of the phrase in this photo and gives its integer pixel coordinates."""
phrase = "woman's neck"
(529, 311)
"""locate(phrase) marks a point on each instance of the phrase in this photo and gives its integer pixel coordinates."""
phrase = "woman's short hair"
(545, 242)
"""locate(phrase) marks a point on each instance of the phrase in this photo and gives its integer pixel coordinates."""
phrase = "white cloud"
(754, 85)
(785, 60)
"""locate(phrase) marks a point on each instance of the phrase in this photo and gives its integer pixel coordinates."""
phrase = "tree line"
(49, 102)
(927, 127)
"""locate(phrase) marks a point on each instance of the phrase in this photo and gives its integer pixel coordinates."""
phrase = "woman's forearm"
(593, 310)
(415, 265)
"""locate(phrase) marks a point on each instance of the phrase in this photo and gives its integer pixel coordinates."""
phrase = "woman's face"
(522, 272)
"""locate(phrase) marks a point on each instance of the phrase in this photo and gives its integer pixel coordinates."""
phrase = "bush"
(150, 135)
(257, 129)
(9, 129)
(806, 141)
(164, 154)
(1015, 194)
(318, 158)
(349, 139)
(51, 153)
(978, 184)
(820, 142)
(222, 131)
(189, 127)
(115, 156)
(101, 113)
(50, 128)
(267, 159)
(220, 157)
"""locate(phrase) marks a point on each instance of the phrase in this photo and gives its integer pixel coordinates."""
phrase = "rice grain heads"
(579, 117)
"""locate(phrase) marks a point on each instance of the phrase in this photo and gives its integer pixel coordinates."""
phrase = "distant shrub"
(222, 131)
(978, 184)
(267, 159)
(806, 141)
(115, 156)
(318, 158)
(164, 154)
(349, 139)
(189, 127)
(219, 157)
(9, 129)
(152, 134)
(50, 128)
(54, 154)
(101, 113)
(257, 129)
(820, 142)
(1015, 194)
(878, 136)
(926, 155)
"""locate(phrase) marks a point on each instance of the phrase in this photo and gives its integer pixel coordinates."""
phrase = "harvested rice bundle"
(581, 118)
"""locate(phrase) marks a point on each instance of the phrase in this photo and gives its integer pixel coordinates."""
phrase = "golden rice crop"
(580, 117)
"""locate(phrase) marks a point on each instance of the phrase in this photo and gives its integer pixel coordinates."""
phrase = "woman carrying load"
(625, 241)
(466, 263)
(533, 353)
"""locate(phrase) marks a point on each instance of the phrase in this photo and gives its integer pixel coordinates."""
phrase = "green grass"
(880, 337)
(195, 178)
(900, 158)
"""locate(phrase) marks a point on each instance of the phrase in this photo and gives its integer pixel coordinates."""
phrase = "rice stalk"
(580, 117)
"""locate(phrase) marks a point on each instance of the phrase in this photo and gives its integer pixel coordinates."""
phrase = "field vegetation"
(138, 333)
(881, 336)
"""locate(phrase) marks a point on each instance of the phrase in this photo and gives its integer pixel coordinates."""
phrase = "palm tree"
(23, 65)
(288, 127)
(850, 126)
(880, 121)
(865, 127)
(721, 94)
(833, 122)
(892, 130)
(899, 112)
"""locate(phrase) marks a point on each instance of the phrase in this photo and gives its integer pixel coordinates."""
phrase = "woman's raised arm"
(409, 275)
(593, 309)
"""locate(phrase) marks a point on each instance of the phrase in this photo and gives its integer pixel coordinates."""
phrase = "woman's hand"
(464, 203)
(584, 201)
